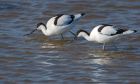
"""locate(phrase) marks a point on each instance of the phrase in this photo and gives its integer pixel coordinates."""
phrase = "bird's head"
(40, 26)
(80, 33)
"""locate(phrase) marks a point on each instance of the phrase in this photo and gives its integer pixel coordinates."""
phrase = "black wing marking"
(62, 19)
(57, 17)
(72, 18)
(119, 31)
(103, 25)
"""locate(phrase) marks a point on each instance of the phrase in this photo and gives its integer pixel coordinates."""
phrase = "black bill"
(30, 32)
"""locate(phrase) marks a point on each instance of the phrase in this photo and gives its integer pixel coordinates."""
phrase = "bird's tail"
(78, 16)
(129, 31)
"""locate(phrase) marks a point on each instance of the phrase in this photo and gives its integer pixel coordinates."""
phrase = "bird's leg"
(62, 37)
(73, 34)
(115, 45)
(103, 46)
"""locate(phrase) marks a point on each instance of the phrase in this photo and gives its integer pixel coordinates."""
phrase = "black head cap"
(82, 31)
(40, 24)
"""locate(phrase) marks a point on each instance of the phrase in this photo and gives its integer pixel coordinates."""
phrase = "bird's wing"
(62, 20)
(107, 29)
(111, 30)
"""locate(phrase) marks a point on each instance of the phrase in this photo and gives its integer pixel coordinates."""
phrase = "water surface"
(37, 59)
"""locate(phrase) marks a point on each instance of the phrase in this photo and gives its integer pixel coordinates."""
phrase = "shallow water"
(37, 59)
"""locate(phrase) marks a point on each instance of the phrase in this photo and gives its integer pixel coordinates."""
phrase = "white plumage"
(58, 24)
(63, 20)
(107, 30)
(104, 33)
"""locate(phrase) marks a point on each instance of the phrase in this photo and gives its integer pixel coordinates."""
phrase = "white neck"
(44, 30)
(85, 35)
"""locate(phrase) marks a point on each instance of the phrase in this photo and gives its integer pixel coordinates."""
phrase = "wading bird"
(104, 33)
(58, 25)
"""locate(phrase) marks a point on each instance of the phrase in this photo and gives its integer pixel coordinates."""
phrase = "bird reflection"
(54, 43)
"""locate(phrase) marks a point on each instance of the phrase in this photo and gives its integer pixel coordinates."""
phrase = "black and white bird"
(104, 33)
(58, 25)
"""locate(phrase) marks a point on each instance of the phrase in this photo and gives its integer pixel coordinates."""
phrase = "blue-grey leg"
(103, 46)
(62, 37)
(73, 34)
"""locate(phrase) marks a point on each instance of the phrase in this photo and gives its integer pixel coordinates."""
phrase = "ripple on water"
(39, 59)
(9, 15)
(7, 6)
